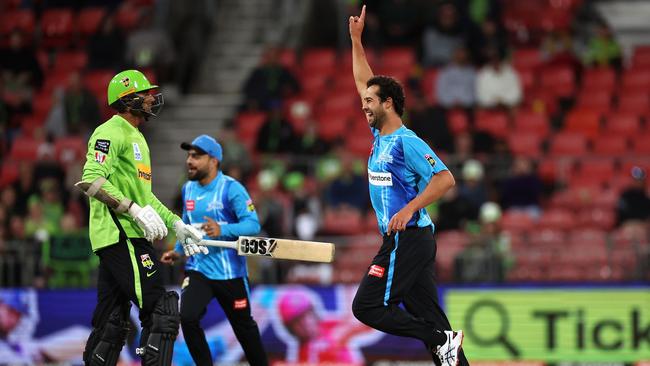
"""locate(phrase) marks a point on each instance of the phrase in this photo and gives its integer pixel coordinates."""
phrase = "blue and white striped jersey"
(399, 167)
(227, 202)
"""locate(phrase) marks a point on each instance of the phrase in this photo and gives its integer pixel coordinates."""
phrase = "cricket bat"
(300, 250)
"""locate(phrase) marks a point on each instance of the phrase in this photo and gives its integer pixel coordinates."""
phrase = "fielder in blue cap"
(224, 210)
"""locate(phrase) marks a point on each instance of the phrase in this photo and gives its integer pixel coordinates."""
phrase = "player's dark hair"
(389, 88)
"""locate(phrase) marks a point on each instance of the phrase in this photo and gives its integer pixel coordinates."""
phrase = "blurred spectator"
(488, 257)
(634, 203)
(21, 73)
(270, 209)
(603, 49)
(237, 161)
(489, 35)
(150, 46)
(454, 211)
(558, 49)
(455, 84)
(8, 202)
(473, 188)
(306, 205)
(497, 83)
(45, 211)
(309, 141)
(523, 189)
(429, 123)
(269, 83)
(276, 134)
(349, 188)
(442, 36)
(399, 22)
(107, 47)
(24, 187)
(81, 109)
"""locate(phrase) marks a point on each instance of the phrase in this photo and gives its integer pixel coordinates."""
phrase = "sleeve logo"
(137, 155)
(189, 205)
(430, 159)
(102, 145)
(377, 271)
(100, 157)
(250, 206)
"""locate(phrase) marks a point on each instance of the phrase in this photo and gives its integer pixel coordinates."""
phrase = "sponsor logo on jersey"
(100, 157)
(215, 205)
(144, 172)
(377, 271)
(137, 155)
(380, 178)
(102, 145)
(146, 261)
(189, 205)
(385, 158)
(240, 304)
(430, 159)
(250, 206)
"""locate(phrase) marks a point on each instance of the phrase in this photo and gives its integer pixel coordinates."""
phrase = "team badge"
(146, 261)
(250, 206)
(100, 157)
(240, 304)
(137, 155)
(430, 159)
(189, 205)
(377, 271)
(126, 82)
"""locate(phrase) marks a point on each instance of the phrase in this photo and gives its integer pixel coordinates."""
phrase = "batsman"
(125, 218)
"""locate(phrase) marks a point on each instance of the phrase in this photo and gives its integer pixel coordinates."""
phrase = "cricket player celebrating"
(404, 177)
(222, 208)
(125, 217)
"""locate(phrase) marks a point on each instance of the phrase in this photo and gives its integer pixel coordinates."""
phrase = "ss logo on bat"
(258, 246)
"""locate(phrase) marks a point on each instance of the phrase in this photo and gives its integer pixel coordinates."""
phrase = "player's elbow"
(448, 179)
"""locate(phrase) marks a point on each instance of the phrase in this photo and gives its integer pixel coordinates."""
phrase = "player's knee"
(105, 343)
(360, 312)
(165, 321)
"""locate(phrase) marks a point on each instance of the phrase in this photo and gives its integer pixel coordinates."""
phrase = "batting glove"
(149, 221)
(189, 236)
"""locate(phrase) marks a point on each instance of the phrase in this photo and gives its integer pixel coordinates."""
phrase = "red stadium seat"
(126, 17)
(57, 26)
(596, 100)
(89, 20)
(458, 122)
(622, 124)
(636, 78)
(526, 58)
(595, 237)
(41, 105)
(516, 221)
(69, 149)
(398, 58)
(248, 125)
(20, 19)
(547, 238)
(556, 219)
(24, 149)
(610, 145)
(341, 103)
(641, 57)
(584, 122)
(641, 144)
(636, 103)
(428, 84)
(97, 82)
(530, 122)
(333, 126)
(8, 173)
(559, 80)
(596, 218)
(568, 144)
(342, 222)
(70, 61)
(359, 142)
(319, 60)
(494, 123)
(603, 79)
(314, 83)
(528, 80)
(288, 58)
(525, 144)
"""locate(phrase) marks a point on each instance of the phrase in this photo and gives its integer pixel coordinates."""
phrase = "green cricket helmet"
(123, 92)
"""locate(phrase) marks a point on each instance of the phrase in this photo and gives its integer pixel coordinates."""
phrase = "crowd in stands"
(544, 127)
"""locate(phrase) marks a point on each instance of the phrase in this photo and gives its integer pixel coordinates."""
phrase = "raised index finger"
(362, 17)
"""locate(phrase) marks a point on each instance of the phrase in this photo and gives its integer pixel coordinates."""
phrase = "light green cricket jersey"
(118, 152)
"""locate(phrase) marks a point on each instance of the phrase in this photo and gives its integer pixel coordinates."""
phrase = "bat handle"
(219, 243)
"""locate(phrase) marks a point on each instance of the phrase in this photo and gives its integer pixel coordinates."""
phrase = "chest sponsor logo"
(102, 145)
(385, 158)
(189, 205)
(215, 205)
(146, 261)
(144, 172)
(376, 271)
(240, 304)
(137, 155)
(430, 159)
(100, 157)
(250, 206)
(380, 178)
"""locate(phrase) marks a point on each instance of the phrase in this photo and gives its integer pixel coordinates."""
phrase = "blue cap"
(14, 299)
(205, 144)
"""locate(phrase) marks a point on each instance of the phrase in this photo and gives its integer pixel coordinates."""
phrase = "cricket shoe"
(448, 352)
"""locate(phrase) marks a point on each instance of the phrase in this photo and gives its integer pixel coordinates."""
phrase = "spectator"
(634, 203)
(237, 161)
(603, 49)
(489, 35)
(399, 20)
(497, 83)
(150, 46)
(80, 105)
(558, 49)
(442, 37)
(455, 84)
(24, 187)
(310, 142)
(270, 209)
(269, 83)
(306, 205)
(21, 73)
(276, 134)
(487, 258)
(523, 189)
(430, 124)
(106, 48)
(473, 188)
(349, 188)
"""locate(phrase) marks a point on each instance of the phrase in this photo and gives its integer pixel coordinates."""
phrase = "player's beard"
(377, 118)
(197, 175)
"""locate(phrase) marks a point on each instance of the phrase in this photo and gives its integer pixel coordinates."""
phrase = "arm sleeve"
(421, 159)
(242, 205)
(103, 153)
(179, 247)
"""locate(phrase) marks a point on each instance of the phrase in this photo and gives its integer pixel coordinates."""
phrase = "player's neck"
(391, 125)
(208, 178)
(133, 120)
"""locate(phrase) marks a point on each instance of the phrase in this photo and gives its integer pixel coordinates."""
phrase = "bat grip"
(219, 243)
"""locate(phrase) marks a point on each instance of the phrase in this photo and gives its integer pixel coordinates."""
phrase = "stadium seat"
(69, 149)
(20, 19)
(516, 221)
(526, 58)
(636, 78)
(531, 122)
(316, 60)
(641, 56)
(333, 126)
(57, 26)
(603, 79)
(457, 120)
(359, 142)
(398, 58)
(597, 170)
(97, 82)
(314, 83)
(126, 17)
(636, 103)
(67, 61)
(591, 236)
(596, 218)
(41, 105)
(559, 80)
(556, 219)
(584, 122)
(546, 238)
(528, 80)
(621, 124)
(428, 84)
(494, 123)
(8, 173)
(342, 222)
(641, 144)
(596, 100)
(24, 148)
(89, 20)
(525, 144)
(340, 103)
(31, 125)
(248, 124)
(568, 144)
(610, 145)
